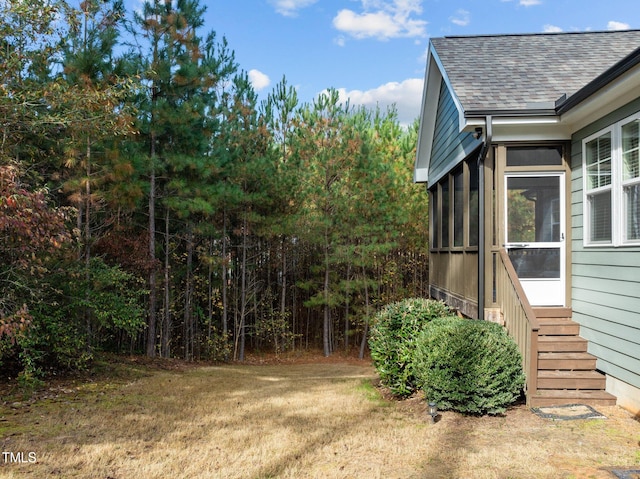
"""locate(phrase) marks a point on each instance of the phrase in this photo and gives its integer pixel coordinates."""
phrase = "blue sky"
(374, 51)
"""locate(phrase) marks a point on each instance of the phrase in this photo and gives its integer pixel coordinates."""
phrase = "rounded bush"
(393, 336)
(468, 366)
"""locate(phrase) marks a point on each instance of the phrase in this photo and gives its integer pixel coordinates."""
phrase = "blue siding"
(450, 146)
(605, 280)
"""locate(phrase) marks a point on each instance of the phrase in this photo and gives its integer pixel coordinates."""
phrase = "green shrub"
(79, 311)
(473, 367)
(393, 336)
(52, 342)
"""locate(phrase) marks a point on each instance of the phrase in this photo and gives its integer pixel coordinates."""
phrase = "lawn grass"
(324, 420)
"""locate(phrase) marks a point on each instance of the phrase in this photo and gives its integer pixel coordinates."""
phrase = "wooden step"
(565, 344)
(566, 361)
(558, 327)
(553, 312)
(561, 397)
(566, 372)
(571, 380)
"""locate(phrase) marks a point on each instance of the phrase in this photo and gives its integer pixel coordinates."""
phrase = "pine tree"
(184, 75)
(91, 72)
(281, 112)
(247, 173)
(325, 145)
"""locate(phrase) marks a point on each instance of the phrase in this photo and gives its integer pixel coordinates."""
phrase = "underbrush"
(106, 368)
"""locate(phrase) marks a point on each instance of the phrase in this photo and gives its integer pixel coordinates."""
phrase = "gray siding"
(605, 280)
(450, 146)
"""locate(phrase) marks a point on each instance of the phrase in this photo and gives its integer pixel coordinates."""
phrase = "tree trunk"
(209, 297)
(167, 326)
(346, 310)
(326, 324)
(87, 243)
(363, 344)
(283, 292)
(243, 291)
(225, 299)
(151, 332)
(189, 329)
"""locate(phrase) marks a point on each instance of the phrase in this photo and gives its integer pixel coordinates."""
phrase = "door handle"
(515, 245)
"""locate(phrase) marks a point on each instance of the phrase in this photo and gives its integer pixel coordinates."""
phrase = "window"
(454, 209)
(612, 184)
(435, 221)
(534, 155)
(444, 191)
(631, 179)
(598, 166)
(458, 208)
(473, 205)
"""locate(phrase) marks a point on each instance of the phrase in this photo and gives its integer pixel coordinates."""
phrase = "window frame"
(618, 207)
(458, 207)
(450, 218)
(446, 216)
(624, 184)
(590, 193)
(434, 219)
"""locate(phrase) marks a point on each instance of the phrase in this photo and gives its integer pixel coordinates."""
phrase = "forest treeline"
(149, 203)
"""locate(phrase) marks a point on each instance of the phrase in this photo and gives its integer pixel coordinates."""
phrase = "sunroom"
(497, 152)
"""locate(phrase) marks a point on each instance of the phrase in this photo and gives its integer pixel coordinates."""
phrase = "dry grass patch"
(293, 421)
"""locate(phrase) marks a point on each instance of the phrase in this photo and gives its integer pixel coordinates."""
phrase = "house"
(529, 148)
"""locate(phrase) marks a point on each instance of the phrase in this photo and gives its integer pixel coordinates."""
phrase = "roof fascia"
(434, 75)
(532, 113)
(461, 113)
(430, 94)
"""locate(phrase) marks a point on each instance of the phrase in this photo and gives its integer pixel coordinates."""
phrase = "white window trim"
(618, 211)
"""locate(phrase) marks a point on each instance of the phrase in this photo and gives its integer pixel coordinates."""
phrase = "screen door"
(534, 233)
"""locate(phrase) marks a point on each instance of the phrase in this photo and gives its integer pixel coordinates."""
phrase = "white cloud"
(461, 18)
(548, 28)
(378, 24)
(289, 8)
(259, 80)
(382, 20)
(405, 95)
(613, 25)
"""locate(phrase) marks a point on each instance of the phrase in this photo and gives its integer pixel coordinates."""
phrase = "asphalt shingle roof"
(523, 72)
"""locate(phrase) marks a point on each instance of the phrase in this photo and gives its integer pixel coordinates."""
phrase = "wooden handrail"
(520, 320)
(513, 276)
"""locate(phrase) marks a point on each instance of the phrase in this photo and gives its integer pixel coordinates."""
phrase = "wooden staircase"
(566, 372)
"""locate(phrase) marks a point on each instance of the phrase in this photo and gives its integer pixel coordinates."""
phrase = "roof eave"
(520, 125)
(425, 129)
(434, 74)
(477, 118)
(520, 113)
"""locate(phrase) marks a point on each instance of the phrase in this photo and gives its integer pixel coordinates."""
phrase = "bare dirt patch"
(282, 418)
